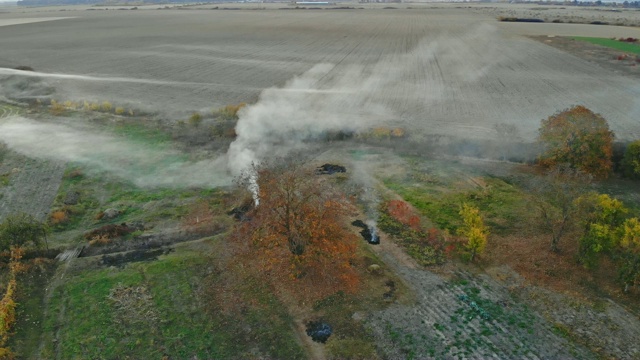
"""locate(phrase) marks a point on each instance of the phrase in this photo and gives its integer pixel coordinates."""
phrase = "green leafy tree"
(631, 160)
(578, 137)
(473, 230)
(555, 196)
(22, 230)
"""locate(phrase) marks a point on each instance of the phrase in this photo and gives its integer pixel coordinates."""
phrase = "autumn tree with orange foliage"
(579, 137)
(297, 234)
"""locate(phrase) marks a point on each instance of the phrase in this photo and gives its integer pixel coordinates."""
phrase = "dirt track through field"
(446, 321)
(439, 70)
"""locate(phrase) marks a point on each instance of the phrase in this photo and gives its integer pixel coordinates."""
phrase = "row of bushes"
(58, 108)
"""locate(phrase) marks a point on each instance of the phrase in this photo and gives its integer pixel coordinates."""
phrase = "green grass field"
(156, 309)
(612, 43)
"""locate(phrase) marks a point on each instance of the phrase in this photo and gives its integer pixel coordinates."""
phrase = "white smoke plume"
(330, 97)
(143, 165)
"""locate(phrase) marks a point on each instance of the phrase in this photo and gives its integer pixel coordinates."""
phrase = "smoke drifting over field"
(140, 164)
(331, 98)
(304, 109)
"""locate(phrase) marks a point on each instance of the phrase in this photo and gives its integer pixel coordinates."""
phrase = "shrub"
(631, 161)
(402, 212)
(56, 108)
(70, 105)
(398, 133)
(195, 119)
(58, 217)
(106, 106)
(20, 230)
(232, 110)
(578, 137)
(119, 111)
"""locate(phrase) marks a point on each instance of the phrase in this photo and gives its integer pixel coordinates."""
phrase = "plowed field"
(441, 70)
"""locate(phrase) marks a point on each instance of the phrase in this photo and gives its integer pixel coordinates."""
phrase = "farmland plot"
(433, 70)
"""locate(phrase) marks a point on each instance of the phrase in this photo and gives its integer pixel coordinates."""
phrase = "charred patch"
(240, 213)
(319, 331)
(329, 169)
(120, 260)
(369, 233)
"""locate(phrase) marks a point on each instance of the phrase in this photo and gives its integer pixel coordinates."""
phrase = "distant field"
(7, 22)
(442, 70)
(612, 43)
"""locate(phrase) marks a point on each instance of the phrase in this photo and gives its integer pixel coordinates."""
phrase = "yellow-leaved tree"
(629, 254)
(473, 230)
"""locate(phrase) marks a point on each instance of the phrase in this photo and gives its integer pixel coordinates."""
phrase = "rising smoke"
(352, 98)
